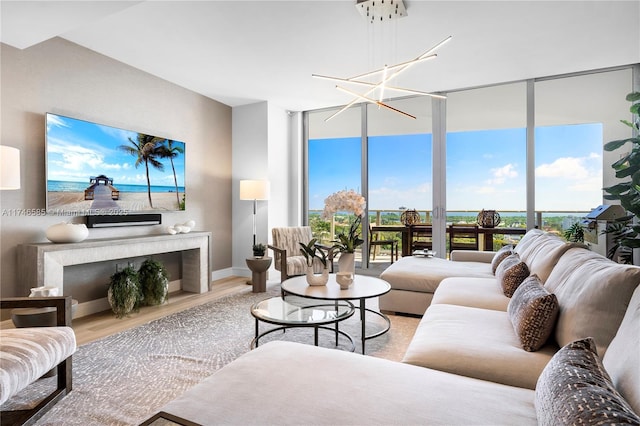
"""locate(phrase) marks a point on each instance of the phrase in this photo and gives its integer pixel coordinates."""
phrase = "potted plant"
(154, 282)
(310, 252)
(624, 231)
(347, 244)
(124, 293)
(575, 233)
(259, 250)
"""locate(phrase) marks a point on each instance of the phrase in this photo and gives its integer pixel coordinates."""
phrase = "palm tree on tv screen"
(146, 149)
(171, 151)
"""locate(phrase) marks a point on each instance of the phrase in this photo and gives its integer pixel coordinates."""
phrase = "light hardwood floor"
(102, 324)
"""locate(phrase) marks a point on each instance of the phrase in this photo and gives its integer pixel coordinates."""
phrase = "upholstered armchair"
(286, 251)
(26, 354)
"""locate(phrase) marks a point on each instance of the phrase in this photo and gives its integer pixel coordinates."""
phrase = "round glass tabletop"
(298, 311)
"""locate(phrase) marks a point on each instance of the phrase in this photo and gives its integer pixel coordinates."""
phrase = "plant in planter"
(574, 234)
(347, 244)
(624, 231)
(154, 282)
(310, 252)
(124, 293)
(259, 250)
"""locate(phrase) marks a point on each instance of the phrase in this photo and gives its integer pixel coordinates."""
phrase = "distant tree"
(171, 151)
(145, 149)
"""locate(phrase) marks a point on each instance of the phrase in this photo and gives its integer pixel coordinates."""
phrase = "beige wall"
(61, 77)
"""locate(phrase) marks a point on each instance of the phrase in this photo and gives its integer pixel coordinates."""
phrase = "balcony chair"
(421, 236)
(463, 237)
(27, 354)
(286, 251)
(374, 241)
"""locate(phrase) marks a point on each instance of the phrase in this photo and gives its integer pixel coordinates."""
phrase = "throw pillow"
(500, 255)
(574, 388)
(533, 312)
(510, 273)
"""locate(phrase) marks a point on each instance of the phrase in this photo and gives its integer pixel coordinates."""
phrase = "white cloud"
(501, 174)
(565, 167)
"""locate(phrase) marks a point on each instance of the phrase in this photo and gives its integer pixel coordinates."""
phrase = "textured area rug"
(125, 378)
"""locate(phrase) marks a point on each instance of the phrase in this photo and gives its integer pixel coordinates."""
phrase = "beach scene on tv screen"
(98, 169)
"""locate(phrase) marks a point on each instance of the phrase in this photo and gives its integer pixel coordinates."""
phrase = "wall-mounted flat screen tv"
(97, 169)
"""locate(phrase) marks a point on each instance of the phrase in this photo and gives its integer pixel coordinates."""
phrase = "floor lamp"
(9, 167)
(254, 190)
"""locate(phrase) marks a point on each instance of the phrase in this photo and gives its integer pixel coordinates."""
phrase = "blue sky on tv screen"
(78, 150)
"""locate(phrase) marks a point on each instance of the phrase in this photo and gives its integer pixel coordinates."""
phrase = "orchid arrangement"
(346, 201)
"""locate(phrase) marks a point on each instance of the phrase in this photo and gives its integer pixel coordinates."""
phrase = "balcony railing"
(551, 221)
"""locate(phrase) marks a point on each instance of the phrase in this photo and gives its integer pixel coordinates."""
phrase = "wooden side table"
(259, 267)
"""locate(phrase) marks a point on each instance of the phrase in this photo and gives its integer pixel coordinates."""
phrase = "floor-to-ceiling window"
(486, 156)
(530, 149)
(334, 164)
(399, 165)
(574, 116)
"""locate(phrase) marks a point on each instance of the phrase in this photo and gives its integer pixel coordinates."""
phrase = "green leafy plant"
(259, 249)
(154, 282)
(311, 251)
(623, 231)
(575, 233)
(124, 293)
(347, 243)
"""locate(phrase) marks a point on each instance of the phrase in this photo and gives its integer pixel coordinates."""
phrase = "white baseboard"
(221, 273)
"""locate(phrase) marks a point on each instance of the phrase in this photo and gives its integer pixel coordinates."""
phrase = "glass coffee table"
(363, 287)
(302, 312)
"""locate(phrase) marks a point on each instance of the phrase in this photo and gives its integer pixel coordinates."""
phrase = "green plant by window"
(575, 233)
(623, 231)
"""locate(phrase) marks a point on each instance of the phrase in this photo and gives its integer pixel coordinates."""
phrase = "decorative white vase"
(320, 279)
(347, 262)
(344, 279)
(67, 232)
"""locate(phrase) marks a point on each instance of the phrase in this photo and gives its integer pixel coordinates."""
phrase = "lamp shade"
(9, 167)
(254, 189)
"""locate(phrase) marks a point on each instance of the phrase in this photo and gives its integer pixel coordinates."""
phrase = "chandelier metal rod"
(373, 101)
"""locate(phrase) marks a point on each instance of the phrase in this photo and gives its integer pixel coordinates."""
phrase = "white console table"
(43, 263)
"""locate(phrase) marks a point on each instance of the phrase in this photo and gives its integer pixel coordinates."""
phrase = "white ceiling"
(240, 52)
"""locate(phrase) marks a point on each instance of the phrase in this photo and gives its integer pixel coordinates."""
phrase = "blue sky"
(79, 149)
(485, 169)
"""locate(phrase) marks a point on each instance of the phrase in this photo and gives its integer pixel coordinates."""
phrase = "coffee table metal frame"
(363, 287)
(289, 307)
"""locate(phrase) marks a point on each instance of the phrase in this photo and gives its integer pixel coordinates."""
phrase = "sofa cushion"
(533, 312)
(510, 273)
(424, 274)
(28, 353)
(285, 383)
(623, 363)
(574, 388)
(500, 255)
(477, 343)
(542, 254)
(593, 293)
(483, 293)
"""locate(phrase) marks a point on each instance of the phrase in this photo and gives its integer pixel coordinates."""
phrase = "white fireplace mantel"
(43, 263)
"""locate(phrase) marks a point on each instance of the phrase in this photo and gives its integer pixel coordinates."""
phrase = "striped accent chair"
(26, 354)
(286, 249)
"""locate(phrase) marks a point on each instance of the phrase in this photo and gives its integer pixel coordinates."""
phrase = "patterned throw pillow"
(533, 312)
(500, 255)
(510, 273)
(574, 388)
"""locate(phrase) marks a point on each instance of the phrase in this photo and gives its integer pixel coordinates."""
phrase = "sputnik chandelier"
(375, 11)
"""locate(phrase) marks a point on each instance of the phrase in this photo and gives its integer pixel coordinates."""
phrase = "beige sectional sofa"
(466, 363)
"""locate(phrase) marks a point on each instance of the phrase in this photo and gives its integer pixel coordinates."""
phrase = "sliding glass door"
(486, 165)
